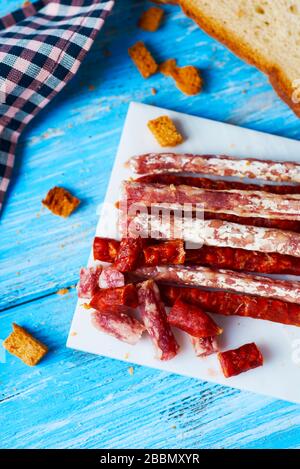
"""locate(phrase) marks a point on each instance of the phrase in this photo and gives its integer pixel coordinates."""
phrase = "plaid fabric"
(41, 48)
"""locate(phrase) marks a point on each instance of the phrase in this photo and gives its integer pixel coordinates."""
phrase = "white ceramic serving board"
(280, 345)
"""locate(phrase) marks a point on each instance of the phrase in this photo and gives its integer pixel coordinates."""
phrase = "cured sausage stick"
(192, 320)
(200, 327)
(154, 316)
(236, 202)
(218, 185)
(223, 279)
(173, 252)
(216, 165)
(290, 225)
(243, 260)
(116, 322)
(234, 304)
(219, 233)
(244, 358)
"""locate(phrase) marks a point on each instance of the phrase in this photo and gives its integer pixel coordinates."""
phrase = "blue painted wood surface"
(76, 400)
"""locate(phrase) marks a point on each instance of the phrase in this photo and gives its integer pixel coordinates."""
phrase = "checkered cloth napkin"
(41, 48)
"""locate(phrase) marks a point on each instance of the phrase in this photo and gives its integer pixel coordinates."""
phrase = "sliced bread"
(266, 33)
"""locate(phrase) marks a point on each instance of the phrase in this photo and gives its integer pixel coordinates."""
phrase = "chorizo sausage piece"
(193, 320)
(234, 304)
(130, 250)
(123, 296)
(216, 165)
(154, 316)
(218, 185)
(119, 324)
(88, 281)
(204, 346)
(105, 249)
(111, 278)
(244, 358)
(168, 252)
(243, 260)
(223, 279)
(156, 253)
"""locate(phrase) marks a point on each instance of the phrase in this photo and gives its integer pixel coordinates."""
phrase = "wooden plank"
(77, 400)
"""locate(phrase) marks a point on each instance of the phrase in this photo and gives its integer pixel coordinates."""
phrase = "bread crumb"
(143, 59)
(86, 306)
(62, 291)
(91, 87)
(173, 426)
(167, 67)
(26, 4)
(24, 346)
(106, 52)
(165, 131)
(153, 91)
(126, 356)
(187, 79)
(151, 19)
(60, 202)
(131, 370)
(73, 334)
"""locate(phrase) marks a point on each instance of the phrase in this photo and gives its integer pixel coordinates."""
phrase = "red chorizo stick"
(219, 233)
(192, 320)
(168, 252)
(128, 254)
(173, 252)
(105, 249)
(244, 358)
(122, 296)
(213, 184)
(243, 260)
(234, 304)
(119, 324)
(223, 279)
(154, 317)
(217, 165)
(236, 202)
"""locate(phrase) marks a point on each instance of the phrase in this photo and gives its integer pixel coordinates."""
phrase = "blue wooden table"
(76, 400)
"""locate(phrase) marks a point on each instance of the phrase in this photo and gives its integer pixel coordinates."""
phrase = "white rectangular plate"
(280, 345)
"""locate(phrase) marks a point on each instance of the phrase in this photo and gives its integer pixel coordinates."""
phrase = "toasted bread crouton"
(151, 19)
(165, 131)
(60, 202)
(24, 346)
(143, 59)
(187, 79)
(168, 67)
